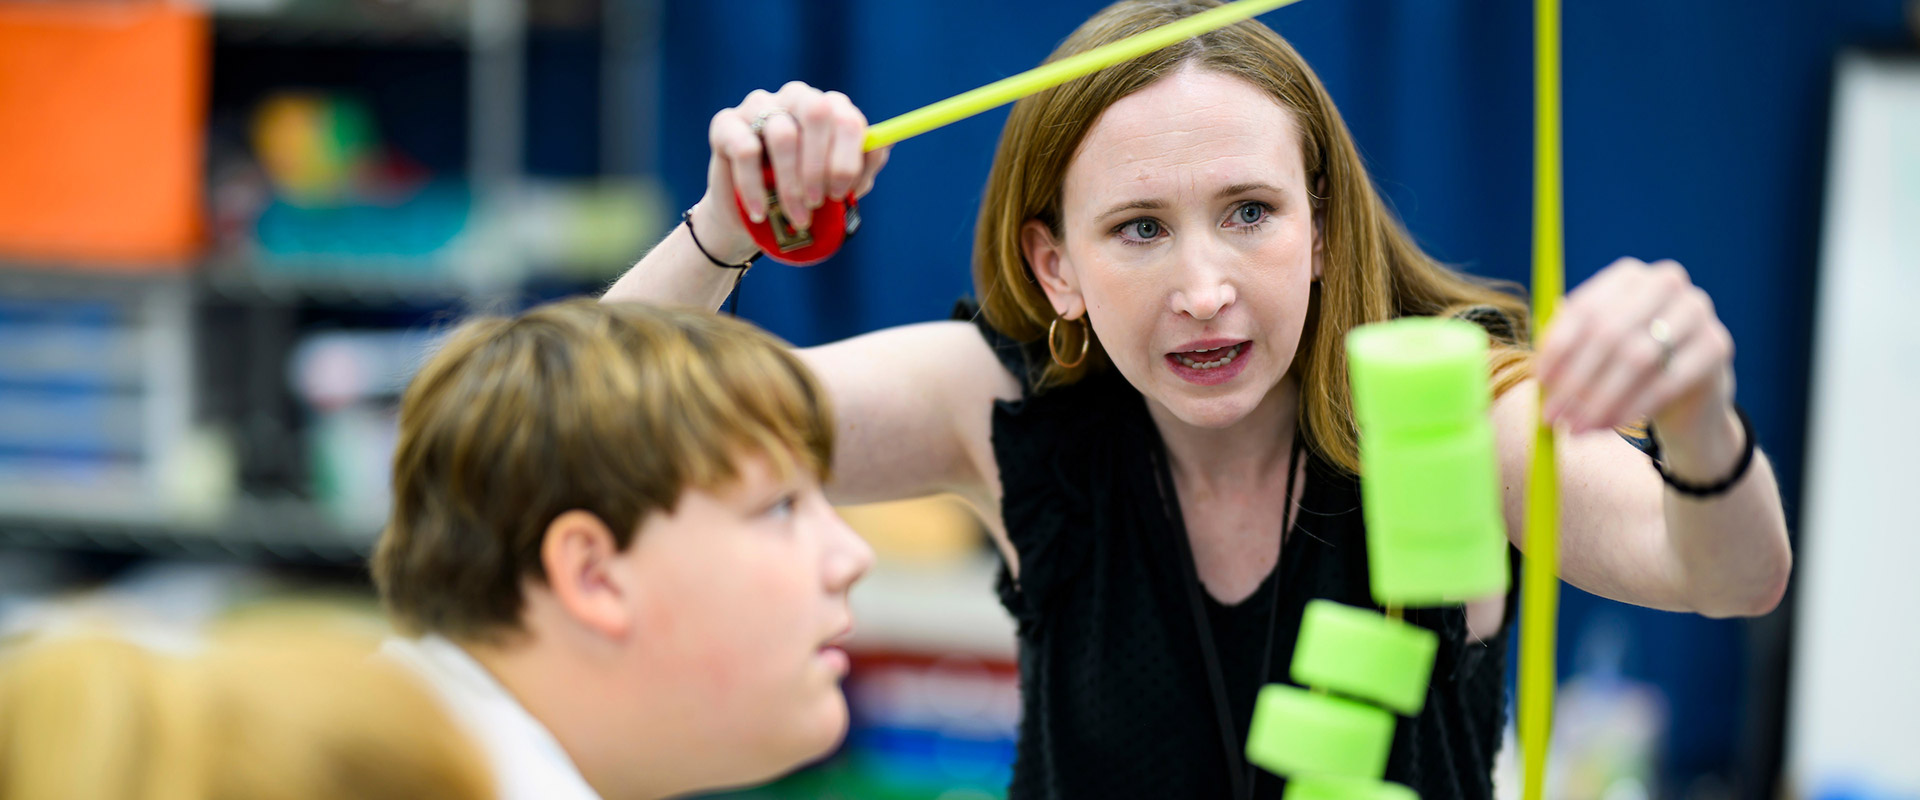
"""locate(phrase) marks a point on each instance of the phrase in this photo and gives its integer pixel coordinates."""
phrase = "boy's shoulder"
(527, 761)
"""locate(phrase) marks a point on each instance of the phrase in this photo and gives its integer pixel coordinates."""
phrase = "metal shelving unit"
(284, 530)
(337, 23)
(215, 338)
(136, 507)
(360, 282)
(95, 388)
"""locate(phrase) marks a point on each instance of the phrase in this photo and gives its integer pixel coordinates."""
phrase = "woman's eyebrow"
(1133, 205)
(1244, 188)
(1156, 204)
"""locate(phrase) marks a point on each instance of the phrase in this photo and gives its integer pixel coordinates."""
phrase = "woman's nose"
(1204, 287)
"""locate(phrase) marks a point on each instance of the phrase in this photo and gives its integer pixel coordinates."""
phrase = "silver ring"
(760, 120)
(1662, 334)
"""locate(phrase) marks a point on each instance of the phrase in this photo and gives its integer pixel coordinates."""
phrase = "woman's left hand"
(1638, 341)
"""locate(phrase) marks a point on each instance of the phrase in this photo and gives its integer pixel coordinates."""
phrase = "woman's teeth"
(1225, 356)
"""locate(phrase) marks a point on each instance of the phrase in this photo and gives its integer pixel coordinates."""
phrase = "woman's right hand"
(814, 141)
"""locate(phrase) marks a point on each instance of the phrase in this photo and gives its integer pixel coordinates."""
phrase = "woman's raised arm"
(913, 404)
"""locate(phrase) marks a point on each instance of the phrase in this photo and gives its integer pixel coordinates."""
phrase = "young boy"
(610, 545)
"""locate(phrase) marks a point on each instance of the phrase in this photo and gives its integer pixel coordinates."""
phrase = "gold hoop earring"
(1054, 350)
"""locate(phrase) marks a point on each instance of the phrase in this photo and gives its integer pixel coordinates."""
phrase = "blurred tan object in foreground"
(290, 714)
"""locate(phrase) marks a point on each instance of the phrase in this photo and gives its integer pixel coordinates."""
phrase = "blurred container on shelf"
(95, 397)
(589, 229)
(340, 193)
(934, 692)
(1607, 725)
(318, 149)
(316, 194)
(583, 232)
(318, 197)
(102, 126)
(1859, 790)
(200, 481)
(928, 726)
(351, 449)
(924, 726)
(417, 227)
(350, 382)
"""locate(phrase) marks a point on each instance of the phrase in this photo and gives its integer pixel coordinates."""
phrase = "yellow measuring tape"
(1047, 76)
(1539, 579)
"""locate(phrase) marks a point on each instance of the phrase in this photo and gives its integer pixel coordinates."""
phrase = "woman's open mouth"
(1210, 362)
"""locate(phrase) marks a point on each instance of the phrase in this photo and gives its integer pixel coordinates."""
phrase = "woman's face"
(1189, 240)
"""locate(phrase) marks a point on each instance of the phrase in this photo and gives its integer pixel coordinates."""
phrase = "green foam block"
(1413, 576)
(1363, 655)
(1435, 531)
(1321, 788)
(1441, 486)
(1296, 732)
(1417, 373)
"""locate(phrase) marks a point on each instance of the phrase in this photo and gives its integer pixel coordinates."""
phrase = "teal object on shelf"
(419, 227)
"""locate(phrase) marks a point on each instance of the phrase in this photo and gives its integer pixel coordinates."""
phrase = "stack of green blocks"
(1431, 500)
(1431, 490)
(1332, 742)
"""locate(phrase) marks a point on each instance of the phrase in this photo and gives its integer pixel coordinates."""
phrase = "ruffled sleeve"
(1050, 481)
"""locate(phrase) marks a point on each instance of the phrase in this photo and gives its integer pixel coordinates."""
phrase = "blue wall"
(1694, 131)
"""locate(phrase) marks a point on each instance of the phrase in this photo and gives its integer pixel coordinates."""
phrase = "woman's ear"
(585, 573)
(1320, 204)
(1048, 259)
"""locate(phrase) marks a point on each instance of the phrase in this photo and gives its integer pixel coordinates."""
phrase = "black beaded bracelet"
(1707, 489)
(687, 217)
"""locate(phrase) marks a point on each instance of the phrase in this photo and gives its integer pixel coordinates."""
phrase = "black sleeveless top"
(1116, 697)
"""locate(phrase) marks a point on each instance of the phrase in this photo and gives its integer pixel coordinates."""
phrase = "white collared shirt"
(528, 763)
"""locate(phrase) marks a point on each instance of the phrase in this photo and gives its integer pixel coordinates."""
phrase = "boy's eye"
(782, 508)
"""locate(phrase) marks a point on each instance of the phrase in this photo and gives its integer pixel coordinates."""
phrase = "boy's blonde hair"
(614, 409)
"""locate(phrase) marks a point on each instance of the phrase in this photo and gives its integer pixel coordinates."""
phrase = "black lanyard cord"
(1241, 775)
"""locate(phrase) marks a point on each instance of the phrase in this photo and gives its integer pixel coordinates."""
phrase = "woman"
(1198, 224)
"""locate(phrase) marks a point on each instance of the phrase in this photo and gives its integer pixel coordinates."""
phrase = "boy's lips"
(832, 651)
(840, 639)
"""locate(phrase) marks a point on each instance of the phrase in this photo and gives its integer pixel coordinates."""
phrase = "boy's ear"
(582, 565)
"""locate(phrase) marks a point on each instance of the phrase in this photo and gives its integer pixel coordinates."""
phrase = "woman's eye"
(1250, 214)
(1141, 229)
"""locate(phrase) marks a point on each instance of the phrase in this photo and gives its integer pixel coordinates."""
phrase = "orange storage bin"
(102, 131)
